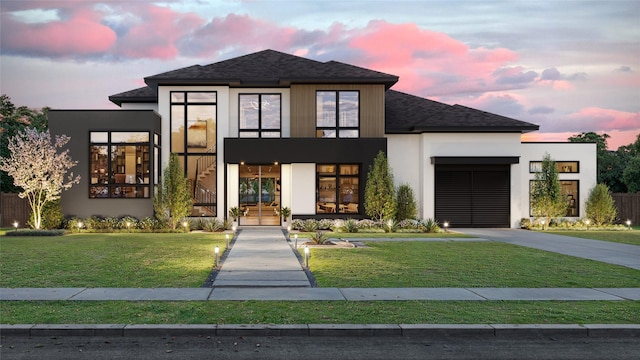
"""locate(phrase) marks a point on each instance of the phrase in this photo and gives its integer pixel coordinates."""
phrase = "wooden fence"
(13, 209)
(628, 207)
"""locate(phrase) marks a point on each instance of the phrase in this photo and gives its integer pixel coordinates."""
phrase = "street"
(308, 348)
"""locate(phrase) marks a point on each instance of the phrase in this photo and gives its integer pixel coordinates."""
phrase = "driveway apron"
(261, 257)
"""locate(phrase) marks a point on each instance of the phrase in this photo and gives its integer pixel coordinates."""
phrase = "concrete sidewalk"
(604, 251)
(261, 257)
(318, 294)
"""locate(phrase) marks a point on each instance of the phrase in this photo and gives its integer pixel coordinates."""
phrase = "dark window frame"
(111, 185)
(260, 129)
(559, 166)
(573, 201)
(337, 128)
(337, 210)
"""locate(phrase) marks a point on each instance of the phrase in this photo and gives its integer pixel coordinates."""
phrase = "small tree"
(173, 200)
(407, 207)
(600, 206)
(547, 200)
(39, 169)
(379, 196)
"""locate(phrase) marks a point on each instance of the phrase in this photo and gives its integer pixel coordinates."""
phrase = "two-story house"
(270, 130)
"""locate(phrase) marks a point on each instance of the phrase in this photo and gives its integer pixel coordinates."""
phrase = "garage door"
(473, 195)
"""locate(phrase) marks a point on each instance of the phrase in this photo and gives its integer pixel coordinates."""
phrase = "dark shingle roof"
(405, 114)
(273, 68)
(139, 95)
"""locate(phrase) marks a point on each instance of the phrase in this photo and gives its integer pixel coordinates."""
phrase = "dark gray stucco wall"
(77, 124)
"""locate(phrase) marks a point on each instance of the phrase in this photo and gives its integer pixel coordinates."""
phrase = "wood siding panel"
(303, 108)
(14, 208)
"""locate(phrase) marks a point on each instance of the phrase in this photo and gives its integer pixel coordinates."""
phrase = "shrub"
(213, 225)
(297, 224)
(525, 223)
(127, 223)
(320, 238)
(390, 225)
(33, 232)
(431, 226)
(600, 206)
(407, 207)
(51, 217)
(325, 224)
(367, 224)
(310, 225)
(350, 226)
(150, 224)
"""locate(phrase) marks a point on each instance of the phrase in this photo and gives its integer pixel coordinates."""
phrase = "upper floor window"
(337, 114)
(193, 122)
(120, 164)
(260, 115)
(561, 166)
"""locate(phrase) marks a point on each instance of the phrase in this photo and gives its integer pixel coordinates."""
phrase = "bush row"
(371, 226)
(567, 224)
(147, 224)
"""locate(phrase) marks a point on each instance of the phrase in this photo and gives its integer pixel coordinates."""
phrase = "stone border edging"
(508, 331)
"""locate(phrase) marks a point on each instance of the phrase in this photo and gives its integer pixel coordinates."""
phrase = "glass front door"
(259, 194)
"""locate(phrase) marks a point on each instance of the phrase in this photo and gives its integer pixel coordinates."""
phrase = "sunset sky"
(568, 66)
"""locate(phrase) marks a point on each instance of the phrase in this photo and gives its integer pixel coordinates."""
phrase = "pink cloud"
(617, 138)
(81, 34)
(605, 119)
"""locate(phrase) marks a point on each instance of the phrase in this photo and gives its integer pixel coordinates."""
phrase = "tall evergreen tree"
(173, 200)
(600, 206)
(547, 201)
(380, 195)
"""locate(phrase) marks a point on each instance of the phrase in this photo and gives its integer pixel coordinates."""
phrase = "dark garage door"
(473, 195)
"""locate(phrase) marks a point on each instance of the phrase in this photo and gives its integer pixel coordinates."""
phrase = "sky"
(567, 66)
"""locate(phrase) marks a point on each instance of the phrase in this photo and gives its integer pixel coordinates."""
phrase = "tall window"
(569, 189)
(120, 164)
(337, 114)
(260, 115)
(338, 188)
(193, 139)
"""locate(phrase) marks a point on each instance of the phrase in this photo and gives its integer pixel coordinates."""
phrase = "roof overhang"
(474, 160)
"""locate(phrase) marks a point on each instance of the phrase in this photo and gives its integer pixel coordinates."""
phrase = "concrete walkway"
(604, 251)
(261, 257)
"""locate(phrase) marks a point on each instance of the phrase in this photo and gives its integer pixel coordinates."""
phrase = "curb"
(505, 331)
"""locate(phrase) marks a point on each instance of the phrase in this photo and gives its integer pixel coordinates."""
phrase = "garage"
(473, 195)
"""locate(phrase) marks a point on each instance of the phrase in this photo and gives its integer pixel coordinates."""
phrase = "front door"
(259, 194)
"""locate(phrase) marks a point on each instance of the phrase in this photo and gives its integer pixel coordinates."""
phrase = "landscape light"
(233, 228)
(629, 224)
(80, 224)
(306, 256)
(227, 236)
(217, 251)
(128, 225)
(587, 222)
(446, 225)
(15, 225)
(296, 237)
(185, 224)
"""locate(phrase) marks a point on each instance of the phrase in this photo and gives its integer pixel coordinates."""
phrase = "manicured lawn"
(626, 237)
(461, 264)
(320, 312)
(108, 260)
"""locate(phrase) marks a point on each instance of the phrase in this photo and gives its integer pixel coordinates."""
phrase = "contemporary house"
(270, 130)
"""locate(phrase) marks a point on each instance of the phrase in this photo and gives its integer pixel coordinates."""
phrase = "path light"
(446, 226)
(306, 256)
(296, 237)
(185, 224)
(587, 222)
(217, 251)
(227, 236)
(15, 225)
(80, 224)
(629, 224)
(233, 228)
(128, 226)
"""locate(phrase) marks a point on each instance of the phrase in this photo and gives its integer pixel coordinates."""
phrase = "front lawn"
(461, 264)
(109, 260)
(631, 237)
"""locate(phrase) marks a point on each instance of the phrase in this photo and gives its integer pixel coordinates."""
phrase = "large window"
(569, 189)
(561, 166)
(337, 188)
(119, 164)
(260, 115)
(337, 114)
(193, 139)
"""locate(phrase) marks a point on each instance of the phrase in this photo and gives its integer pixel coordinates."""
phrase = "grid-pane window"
(120, 164)
(260, 115)
(337, 188)
(337, 114)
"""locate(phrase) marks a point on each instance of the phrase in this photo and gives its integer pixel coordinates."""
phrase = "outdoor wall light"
(15, 225)
(306, 256)
(629, 224)
(217, 251)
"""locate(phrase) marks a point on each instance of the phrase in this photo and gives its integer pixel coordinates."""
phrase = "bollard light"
(217, 251)
(629, 224)
(446, 226)
(306, 256)
(15, 225)
(289, 228)
(227, 236)
(128, 226)
(233, 228)
(587, 222)
(296, 237)
(80, 224)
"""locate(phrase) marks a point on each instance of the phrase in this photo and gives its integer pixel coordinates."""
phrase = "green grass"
(108, 260)
(320, 312)
(631, 237)
(461, 264)
(397, 235)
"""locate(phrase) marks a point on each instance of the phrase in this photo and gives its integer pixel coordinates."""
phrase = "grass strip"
(320, 312)
(631, 237)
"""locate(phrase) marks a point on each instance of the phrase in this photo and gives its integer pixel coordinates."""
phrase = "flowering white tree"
(38, 168)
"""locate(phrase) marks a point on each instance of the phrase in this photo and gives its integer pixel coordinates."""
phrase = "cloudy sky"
(568, 66)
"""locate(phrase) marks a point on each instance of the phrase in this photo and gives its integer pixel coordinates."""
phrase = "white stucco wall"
(584, 153)
(303, 189)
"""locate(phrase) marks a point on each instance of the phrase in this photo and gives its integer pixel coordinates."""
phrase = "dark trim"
(303, 150)
(260, 130)
(337, 127)
(474, 160)
(462, 129)
(557, 166)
